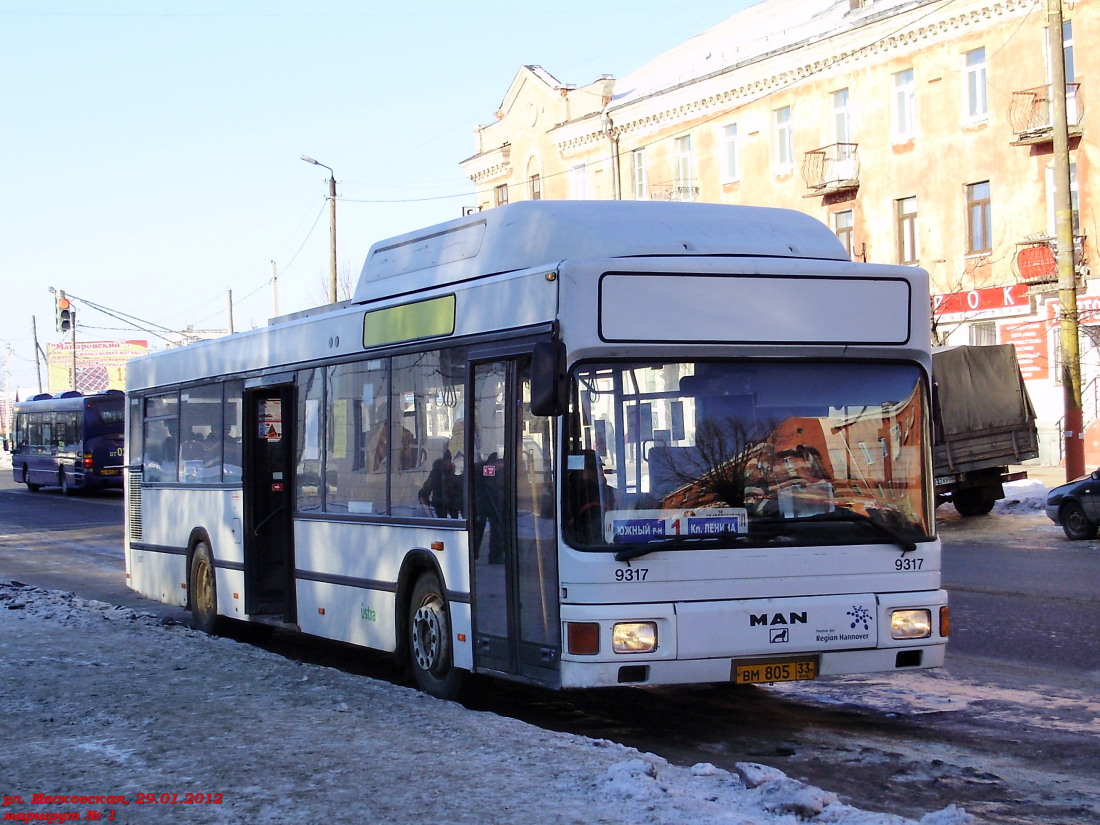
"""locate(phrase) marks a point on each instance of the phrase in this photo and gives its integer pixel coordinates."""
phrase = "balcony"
(831, 168)
(1031, 111)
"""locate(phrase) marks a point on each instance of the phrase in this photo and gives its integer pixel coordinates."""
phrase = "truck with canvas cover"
(984, 422)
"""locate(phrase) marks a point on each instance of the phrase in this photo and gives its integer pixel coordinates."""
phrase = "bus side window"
(232, 431)
(161, 453)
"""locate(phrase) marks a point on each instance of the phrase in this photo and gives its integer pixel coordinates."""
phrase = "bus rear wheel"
(34, 488)
(67, 488)
(203, 588)
(430, 652)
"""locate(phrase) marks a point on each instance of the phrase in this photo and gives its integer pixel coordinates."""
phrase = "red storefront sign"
(991, 302)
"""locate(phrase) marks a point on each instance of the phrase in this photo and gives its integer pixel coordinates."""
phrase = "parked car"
(1076, 506)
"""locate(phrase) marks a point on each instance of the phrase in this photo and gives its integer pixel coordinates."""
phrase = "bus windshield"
(745, 453)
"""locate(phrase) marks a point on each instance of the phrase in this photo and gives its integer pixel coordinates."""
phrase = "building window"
(685, 178)
(842, 124)
(978, 220)
(983, 334)
(977, 103)
(500, 195)
(1073, 112)
(784, 144)
(535, 186)
(1067, 50)
(640, 178)
(906, 211)
(904, 105)
(843, 222)
(578, 183)
(731, 155)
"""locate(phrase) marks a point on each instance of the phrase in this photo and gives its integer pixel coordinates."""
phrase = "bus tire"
(34, 488)
(67, 488)
(430, 652)
(203, 587)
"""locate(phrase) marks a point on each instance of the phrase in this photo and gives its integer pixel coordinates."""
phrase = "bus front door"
(513, 548)
(268, 530)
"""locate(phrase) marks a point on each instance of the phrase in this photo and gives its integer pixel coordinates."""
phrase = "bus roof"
(543, 233)
(69, 400)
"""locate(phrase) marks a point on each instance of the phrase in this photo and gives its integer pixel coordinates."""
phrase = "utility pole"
(1063, 234)
(229, 308)
(5, 403)
(332, 296)
(332, 237)
(274, 290)
(37, 351)
(72, 340)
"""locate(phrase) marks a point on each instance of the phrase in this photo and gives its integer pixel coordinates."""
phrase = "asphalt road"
(1022, 592)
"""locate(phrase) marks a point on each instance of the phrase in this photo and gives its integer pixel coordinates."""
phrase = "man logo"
(779, 635)
(773, 619)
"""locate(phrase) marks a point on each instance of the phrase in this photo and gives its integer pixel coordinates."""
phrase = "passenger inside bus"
(442, 490)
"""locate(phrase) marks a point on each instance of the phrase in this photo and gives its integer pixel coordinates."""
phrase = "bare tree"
(345, 284)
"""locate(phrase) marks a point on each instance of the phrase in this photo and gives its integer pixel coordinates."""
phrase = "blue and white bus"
(72, 441)
(576, 444)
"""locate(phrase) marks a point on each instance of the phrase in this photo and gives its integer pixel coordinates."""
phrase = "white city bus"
(575, 444)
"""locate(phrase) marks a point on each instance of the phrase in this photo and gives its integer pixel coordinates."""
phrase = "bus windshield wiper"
(904, 542)
(635, 551)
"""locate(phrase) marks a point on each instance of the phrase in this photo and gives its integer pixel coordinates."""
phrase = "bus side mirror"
(549, 388)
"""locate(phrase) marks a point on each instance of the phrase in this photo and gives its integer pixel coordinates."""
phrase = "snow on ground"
(101, 701)
(1023, 497)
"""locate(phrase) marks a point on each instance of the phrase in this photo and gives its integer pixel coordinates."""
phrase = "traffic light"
(64, 312)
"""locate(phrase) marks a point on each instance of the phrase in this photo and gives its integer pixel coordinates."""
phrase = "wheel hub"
(426, 636)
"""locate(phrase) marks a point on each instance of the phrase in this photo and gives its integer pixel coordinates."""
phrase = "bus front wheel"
(34, 488)
(430, 651)
(203, 588)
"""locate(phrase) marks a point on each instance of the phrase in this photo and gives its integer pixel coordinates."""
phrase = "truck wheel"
(973, 502)
(1075, 523)
(430, 653)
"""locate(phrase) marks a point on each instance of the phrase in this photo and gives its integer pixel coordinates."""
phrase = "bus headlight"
(911, 624)
(634, 637)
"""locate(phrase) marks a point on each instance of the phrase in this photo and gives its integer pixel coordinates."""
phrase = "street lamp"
(331, 226)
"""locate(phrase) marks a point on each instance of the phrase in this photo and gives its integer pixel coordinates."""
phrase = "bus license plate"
(784, 670)
(108, 472)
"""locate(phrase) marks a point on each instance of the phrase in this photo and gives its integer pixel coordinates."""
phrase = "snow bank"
(1023, 497)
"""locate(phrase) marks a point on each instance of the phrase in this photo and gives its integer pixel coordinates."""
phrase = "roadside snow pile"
(1022, 497)
(118, 708)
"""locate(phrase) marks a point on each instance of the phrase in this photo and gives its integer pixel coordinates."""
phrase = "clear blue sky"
(151, 150)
